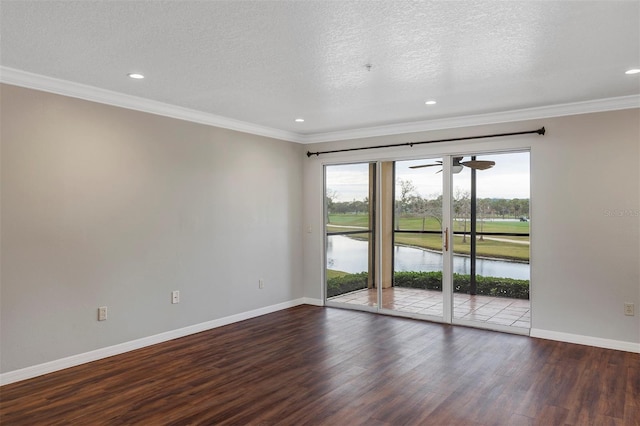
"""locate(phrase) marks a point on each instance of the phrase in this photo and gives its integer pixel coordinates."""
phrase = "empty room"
(320, 212)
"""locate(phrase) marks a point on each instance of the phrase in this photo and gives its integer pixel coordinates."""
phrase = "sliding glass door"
(418, 227)
(350, 235)
(491, 241)
(444, 239)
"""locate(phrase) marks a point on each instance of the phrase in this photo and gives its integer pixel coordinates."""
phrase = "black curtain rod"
(540, 131)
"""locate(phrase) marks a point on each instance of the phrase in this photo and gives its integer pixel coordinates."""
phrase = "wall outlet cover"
(629, 309)
(102, 313)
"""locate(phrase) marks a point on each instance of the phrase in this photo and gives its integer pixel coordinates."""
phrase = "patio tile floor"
(492, 310)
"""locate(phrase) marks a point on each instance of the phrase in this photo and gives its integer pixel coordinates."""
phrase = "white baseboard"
(586, 340)
(72, 361)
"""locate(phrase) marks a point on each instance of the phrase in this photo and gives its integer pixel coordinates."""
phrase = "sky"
(509, 178)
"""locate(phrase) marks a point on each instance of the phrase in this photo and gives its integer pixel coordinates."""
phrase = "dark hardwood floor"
(311, 365)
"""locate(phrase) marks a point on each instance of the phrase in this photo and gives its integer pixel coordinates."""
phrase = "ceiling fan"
(458, 164)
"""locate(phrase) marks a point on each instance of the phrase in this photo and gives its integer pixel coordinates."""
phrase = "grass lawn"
(487, 248)
(360, 220)
(332, 273)
(342, 229)
(430, 224)
(495, 226)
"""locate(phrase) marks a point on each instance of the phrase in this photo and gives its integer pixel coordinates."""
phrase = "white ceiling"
(269, 62)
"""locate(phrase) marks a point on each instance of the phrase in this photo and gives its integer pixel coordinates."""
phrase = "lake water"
(349, 255)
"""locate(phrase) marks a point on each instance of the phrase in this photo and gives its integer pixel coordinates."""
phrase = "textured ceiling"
(269, 62)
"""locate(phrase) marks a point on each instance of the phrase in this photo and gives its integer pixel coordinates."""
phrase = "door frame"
(448, 234)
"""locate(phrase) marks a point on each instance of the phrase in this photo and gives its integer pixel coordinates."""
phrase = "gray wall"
(584, 172)
(107, 206)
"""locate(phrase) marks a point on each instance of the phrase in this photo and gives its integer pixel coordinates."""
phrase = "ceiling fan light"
(456, 168)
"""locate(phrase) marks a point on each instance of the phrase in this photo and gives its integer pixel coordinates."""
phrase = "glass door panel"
(384, 246)
(416, 287)
(350, 242)
(490, 223)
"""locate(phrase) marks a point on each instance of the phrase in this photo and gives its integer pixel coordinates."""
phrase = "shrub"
(423, 280)
(493, 286)
(346, 283)
(488, 286)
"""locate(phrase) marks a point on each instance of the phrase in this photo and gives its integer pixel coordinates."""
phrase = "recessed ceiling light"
(430, 103)
(633, 71)
(299, 120)
(136, 75)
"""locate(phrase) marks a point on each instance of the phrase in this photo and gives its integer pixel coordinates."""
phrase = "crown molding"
(560, 110)
(89, 93)
(76, 90)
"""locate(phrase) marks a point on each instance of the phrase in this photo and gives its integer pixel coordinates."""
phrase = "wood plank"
(312, 365)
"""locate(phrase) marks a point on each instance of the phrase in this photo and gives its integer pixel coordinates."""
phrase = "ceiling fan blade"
(424, 165)
(479, 164)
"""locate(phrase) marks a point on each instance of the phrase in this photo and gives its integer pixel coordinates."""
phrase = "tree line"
(410, 203)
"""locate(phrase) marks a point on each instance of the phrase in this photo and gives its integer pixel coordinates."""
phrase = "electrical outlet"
(260, 283)
(629, 309)
(102, 313)
(175, 296)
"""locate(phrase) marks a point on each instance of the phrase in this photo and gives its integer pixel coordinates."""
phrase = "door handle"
(446, 239)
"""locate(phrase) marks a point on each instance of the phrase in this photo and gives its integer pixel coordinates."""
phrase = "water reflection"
(349, 255)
